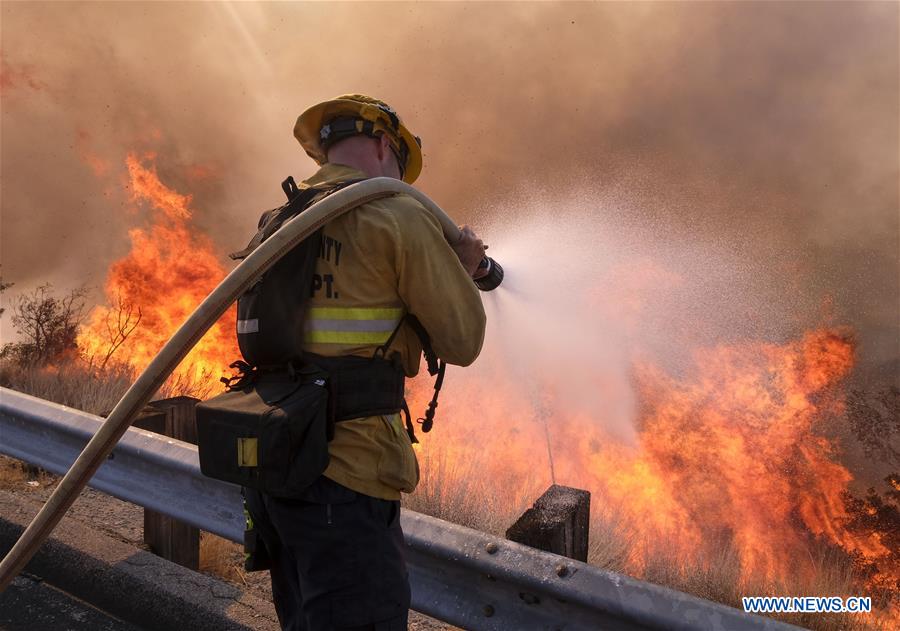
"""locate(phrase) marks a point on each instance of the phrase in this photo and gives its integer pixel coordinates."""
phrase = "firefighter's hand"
(470, 250)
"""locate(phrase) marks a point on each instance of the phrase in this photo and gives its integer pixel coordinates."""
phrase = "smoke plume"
(767, 132)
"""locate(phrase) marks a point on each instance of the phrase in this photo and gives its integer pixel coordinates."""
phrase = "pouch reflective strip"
(248, 326)
(351, 325)
(246, 451)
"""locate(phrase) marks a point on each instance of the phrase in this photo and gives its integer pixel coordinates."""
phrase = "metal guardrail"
(465, 577)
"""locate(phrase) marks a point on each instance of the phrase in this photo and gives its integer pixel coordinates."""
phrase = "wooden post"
(558, 522)
(167, 537)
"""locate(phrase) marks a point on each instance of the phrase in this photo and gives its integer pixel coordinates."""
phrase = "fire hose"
(184, 339)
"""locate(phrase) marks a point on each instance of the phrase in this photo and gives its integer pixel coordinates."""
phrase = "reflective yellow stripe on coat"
(351, 325)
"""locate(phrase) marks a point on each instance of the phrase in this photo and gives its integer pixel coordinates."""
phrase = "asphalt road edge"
(132, 584)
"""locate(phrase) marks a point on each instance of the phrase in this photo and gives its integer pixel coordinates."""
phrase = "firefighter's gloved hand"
(470, 250)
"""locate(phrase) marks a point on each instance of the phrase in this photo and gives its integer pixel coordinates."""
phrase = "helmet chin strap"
(399, 162)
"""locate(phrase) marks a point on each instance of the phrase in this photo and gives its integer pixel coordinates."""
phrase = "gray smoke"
(764, 133)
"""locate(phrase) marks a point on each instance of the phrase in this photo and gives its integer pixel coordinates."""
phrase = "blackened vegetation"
(4, 287)
(875, 420)
(878, 515)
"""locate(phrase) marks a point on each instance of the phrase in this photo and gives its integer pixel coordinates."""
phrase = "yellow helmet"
(351, 114)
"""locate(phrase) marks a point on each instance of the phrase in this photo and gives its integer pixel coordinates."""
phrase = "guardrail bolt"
(492, 547)
(488, 611)
(561, 570)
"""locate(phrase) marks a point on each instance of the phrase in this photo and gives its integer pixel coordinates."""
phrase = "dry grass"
(17, 475)
(457, 489)
(77, 384)
(716, 577)
(719, 578)
(832, 577)
(13, 473)
(221, 557)
(190, 384)
(609, 544)
(72, 383)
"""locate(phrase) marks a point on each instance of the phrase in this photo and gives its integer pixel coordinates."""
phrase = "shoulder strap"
(271, 220)
(299, 199)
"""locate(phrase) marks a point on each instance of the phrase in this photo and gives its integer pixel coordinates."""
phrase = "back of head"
(322, 126)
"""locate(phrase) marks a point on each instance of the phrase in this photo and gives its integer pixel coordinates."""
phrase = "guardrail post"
(168, 537)
(558, 522)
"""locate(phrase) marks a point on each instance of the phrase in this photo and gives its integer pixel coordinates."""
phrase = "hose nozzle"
(494, 276)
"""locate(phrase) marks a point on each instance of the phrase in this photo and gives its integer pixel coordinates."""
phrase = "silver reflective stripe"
(360, 326)
(373, 326)
(248, 326)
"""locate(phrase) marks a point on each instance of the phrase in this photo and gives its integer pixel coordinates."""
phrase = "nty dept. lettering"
(329, 250)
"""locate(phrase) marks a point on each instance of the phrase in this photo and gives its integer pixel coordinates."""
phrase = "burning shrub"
(154, 288)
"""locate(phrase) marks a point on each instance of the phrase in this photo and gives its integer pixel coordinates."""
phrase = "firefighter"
(337, 550)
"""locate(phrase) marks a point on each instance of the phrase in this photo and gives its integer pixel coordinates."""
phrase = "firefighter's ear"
(387, 158)
(383, 147)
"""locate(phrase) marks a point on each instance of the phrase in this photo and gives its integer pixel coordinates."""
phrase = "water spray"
(549, 448)
(543, 413)
(204, 316)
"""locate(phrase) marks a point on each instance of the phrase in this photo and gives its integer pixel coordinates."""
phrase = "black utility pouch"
(270, 436)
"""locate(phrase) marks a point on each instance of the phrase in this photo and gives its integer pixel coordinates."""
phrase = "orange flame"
(729, 453)
(169, 271)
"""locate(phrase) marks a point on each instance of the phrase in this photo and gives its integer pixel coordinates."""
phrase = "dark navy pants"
(337, 559)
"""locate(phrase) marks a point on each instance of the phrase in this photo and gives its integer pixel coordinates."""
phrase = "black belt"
(360, 386)
(357, 386)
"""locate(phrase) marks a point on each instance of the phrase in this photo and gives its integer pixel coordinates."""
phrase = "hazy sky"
(767, 129)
